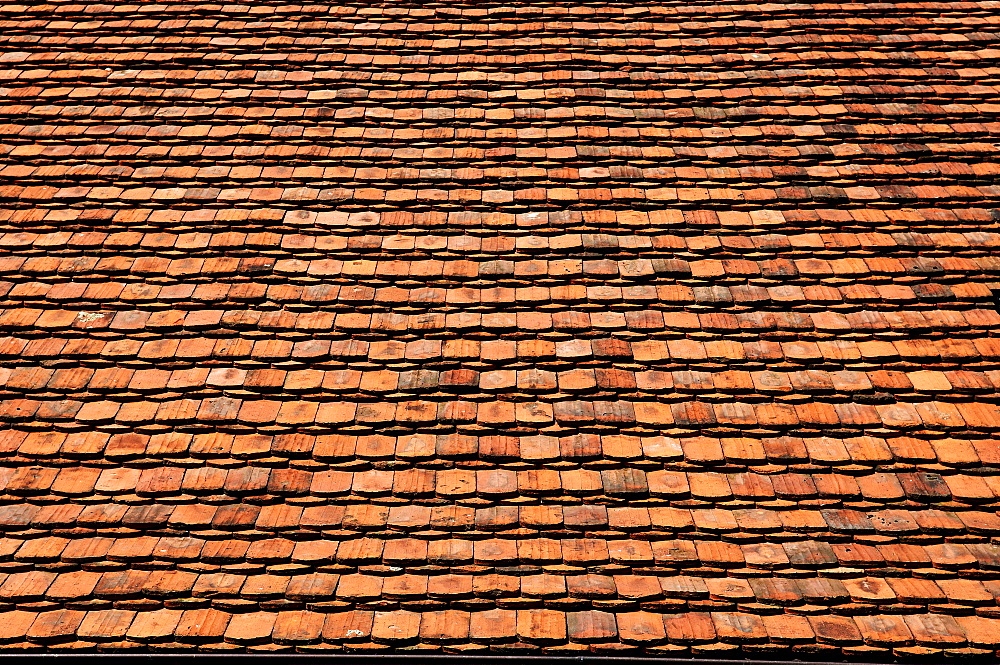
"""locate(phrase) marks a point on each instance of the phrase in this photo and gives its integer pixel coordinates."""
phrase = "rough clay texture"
(534, 328)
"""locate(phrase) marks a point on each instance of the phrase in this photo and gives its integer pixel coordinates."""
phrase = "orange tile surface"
(530, 328)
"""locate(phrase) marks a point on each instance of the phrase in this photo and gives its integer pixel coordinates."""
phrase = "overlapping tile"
(653, 329)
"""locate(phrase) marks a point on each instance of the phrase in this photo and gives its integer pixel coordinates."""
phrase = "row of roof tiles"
(688, 353)
(321, 298)
(526, 195)
(561, 550)
(482, 25)
(947, 246)
(493, 484)
(810, 175)
(581, 84)
(679, 537)
(773, 61)
(335, 118)
(223, 34)
(910, 11)
(499, 414)
(719, 631)
(862, 452)
(550, 271)
(799, 385)
(140, 589)
(906, 227)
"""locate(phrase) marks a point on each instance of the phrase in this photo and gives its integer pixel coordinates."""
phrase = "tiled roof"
(543, 328)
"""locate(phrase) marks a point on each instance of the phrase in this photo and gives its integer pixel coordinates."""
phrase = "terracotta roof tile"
(530, 329)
